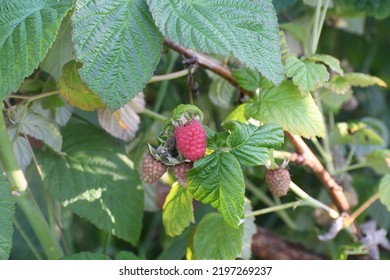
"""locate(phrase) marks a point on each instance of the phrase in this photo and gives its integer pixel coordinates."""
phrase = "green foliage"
(247, 79)
(221, 91)
(101, 54)
(330, 61)
(338, 85)
(86, 256)
(384, 191)
(378, 8)
(94, 179)
(27, 31)
(379, 161)
(333, 101)
(215, 239)
(250, 144)
(40, 128)
(286, 106)
(75, 91)
(61, 52)
(177, 210)
(238, 114)
(207, 25)
(7, 211)
(186, 110)
(306, 74)
(126, 47)
(355, 133)
(217, 180)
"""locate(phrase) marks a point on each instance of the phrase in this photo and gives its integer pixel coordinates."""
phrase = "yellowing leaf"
(75, 91)
(177, 210)
(363, 80)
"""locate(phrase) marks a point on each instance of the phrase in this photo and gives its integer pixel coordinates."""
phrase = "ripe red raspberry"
(191, 140)
(152, 169)
(180, 171)
(278, 181)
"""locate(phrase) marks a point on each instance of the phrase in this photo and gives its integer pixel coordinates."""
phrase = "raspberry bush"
(167, 135)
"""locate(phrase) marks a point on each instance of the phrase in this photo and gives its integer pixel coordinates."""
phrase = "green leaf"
(363, 80)
(94, 179)
(250, 143)
(7, 211)
(286, 106)
(332, 62)
(384, 191)
(124, 255)
(40, 128)
(306, 74)
(221, 92)
(86, 256)
(27, 30)
(61, 52)
(177, 210)
(356, 133)
(75, 91)
(215, 239)
(238, 114)
(379, 160)
(217, 180)
(246, 29)
(119, 46)
(247, 79)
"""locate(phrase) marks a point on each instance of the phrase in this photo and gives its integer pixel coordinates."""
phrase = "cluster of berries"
(189, 140)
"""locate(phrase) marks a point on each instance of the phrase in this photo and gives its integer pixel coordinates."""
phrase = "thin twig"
(35, 97)
(170, 76)
(335, 190)
(276, 208)
(361, 209)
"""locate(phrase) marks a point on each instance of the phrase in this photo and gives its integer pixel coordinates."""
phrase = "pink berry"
(191, 140)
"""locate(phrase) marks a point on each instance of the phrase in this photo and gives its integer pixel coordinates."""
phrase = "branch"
(335, 190)
(208, 63)
(268, 246)
(310, 159)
